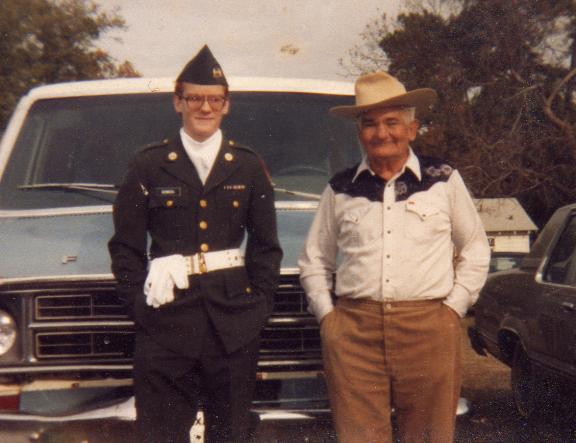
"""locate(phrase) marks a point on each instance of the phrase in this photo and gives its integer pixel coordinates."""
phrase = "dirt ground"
(492, 417)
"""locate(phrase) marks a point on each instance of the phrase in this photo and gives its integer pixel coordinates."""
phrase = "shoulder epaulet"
(156, 144)
(236, 145)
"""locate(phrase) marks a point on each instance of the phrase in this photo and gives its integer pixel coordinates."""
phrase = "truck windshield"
(70, 149)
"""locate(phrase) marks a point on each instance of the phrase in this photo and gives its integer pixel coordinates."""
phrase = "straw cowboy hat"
(381, 90)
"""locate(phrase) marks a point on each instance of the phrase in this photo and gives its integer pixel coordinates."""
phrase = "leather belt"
(204, 262)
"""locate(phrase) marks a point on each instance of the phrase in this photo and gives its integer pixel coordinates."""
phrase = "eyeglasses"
(195, 102)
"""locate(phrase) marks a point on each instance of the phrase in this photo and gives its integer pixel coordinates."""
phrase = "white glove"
(163, 274)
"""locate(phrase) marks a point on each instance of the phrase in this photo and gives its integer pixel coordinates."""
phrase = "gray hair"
(409, 114)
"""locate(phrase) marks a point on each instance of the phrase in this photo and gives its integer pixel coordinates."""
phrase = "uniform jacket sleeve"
(128, 246)
(263, 252)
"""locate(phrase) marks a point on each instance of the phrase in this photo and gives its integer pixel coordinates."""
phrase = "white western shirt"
(202, 154)
(416, 237)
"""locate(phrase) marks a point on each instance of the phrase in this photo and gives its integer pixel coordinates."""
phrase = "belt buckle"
(202, 263)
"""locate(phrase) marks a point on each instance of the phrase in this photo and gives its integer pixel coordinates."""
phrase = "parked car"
(65, 339)
(526, 316)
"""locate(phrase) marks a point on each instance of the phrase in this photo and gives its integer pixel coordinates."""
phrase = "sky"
(275, 38)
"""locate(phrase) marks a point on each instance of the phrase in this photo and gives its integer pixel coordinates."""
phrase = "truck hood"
(75, 244)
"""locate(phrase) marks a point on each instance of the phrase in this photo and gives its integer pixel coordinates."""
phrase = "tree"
(505, 73)
(47, 41)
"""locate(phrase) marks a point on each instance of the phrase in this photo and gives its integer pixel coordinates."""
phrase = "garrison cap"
(203, 69)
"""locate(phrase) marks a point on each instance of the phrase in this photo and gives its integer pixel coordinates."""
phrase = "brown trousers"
(400, 355)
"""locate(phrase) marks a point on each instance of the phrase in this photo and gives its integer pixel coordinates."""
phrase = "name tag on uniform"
(235, 187)
(168, 192)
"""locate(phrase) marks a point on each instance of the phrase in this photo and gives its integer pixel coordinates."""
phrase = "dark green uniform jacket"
(163, 204)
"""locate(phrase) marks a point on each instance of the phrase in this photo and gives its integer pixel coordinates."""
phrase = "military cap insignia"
(228, 157)
(217, 73)
(172, 156)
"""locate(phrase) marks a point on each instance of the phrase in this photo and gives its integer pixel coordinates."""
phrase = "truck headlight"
(7, 332)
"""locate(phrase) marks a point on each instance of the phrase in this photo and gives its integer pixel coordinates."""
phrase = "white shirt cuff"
(320, 305)
(459, 300)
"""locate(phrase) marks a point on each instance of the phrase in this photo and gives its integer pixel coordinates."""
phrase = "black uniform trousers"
(170, 387)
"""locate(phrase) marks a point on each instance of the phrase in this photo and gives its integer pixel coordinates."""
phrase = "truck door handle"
(568, 306)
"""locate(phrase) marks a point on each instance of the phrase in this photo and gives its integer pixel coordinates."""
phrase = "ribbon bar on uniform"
(204, 262)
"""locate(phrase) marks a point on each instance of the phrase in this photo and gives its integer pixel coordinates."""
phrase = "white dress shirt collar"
(412, 163)
(202, 154)
(214, 139)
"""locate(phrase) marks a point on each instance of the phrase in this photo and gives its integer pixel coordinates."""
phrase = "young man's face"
(202, 108)
(385, 133)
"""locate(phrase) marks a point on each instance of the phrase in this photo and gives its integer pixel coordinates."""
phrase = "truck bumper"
(53, 401)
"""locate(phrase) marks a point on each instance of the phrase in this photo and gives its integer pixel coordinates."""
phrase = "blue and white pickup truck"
(65, 338)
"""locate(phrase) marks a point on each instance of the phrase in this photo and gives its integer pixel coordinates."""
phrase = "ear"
(177, 102)
(413, 129)
(226, 108)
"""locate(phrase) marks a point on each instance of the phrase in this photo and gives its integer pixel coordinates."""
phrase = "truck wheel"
(535, 395)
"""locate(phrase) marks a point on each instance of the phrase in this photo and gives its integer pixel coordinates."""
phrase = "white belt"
(204, 262)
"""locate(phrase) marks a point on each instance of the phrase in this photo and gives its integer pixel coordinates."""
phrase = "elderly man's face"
(386, 133)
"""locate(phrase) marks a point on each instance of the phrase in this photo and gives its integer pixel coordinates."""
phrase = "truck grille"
(290, 298)
(297, 339)
(103, 304)
(77, 326)
(84, 344)
(292, 334)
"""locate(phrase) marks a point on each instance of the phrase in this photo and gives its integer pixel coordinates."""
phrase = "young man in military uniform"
(199, 304)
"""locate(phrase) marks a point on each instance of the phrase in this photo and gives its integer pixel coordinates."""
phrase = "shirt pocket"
(237, 283)
(231, 204)
(359, 226)
(169, 214)
(423, 220)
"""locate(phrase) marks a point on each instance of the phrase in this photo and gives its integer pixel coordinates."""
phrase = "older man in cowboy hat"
(391, 335)
(199, 305)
